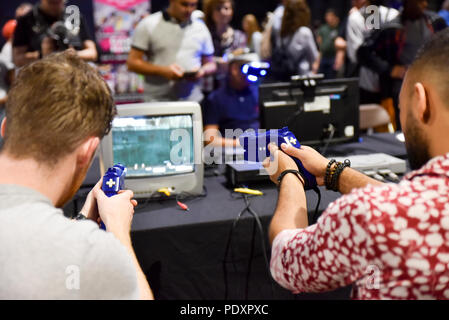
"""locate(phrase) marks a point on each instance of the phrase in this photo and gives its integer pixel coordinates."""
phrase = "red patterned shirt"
(391, 242)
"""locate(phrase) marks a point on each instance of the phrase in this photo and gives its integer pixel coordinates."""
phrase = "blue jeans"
(327, 68)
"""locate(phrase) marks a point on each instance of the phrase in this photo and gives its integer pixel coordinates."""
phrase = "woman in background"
(294, 47)
(227, 40)
(253, 33)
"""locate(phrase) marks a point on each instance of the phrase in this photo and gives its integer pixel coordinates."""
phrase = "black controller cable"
(316, 214)
(258, 224)
(332, 130)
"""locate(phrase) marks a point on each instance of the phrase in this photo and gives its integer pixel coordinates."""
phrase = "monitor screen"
(152, 146)
(325, 113)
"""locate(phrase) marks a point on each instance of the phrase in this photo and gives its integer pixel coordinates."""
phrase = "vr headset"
(252, 67)
(256, 70)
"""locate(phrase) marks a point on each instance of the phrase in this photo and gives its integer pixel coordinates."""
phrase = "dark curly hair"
(296, 15)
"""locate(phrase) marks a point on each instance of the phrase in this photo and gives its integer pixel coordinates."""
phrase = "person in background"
(227, 40)
(294, 48)
(6, 78)
(357, 31)
(389, 50)
(340, 45)
(274, 22)
(6, 65)
(326, 41)
(174, 52)
(34, 36)
(10, 27)
(234, 106)
(444, 12)
(253, 33)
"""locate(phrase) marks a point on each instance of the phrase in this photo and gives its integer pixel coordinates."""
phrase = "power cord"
(332, 130)
(157, 196)
(257, 226)
(316, 214)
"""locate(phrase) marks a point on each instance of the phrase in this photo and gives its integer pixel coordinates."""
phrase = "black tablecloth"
(183, 253)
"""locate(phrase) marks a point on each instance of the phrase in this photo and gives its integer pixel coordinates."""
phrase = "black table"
(183, 253)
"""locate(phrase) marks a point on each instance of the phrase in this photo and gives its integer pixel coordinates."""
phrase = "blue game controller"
(113, 182)
(256, 149)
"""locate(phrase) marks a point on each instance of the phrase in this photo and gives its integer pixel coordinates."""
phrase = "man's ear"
(3, 127)
(423, 110)
(87, 150)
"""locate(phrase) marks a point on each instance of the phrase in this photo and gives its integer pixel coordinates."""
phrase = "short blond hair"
(53, 106)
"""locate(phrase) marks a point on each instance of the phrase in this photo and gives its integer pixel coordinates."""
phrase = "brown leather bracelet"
(296, 172)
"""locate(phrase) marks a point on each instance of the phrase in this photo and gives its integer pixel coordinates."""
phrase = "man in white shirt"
(174, 52)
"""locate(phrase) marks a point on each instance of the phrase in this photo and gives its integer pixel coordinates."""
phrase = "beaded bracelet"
(333, 174)
(328, 171)
(336, 176)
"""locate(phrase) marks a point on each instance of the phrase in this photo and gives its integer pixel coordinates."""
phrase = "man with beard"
(389, 240)
(58, 110)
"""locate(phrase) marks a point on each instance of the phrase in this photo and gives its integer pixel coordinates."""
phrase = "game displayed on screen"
(154, 146)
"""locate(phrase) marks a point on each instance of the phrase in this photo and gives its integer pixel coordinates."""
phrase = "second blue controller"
(256, 149)
(113, 182)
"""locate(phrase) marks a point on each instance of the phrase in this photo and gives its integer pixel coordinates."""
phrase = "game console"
(256, 144)
(114, 180)
(376, 162)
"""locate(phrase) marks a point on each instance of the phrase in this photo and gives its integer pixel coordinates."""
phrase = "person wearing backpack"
(389, 50)
(294, 50)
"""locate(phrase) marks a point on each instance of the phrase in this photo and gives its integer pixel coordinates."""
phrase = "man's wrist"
(333, 172)
(80, 216)
(289, 175)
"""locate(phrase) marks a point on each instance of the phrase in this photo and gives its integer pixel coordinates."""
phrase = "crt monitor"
(317, 111)
(161, 146)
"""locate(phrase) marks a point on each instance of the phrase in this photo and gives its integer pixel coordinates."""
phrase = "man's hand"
(312, 160)
(90, 208)
(200, 74)
(173, 72)
(280, 163)
(117, 211)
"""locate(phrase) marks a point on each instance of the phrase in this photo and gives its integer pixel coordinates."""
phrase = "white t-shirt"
(44, 255)
(165, 42)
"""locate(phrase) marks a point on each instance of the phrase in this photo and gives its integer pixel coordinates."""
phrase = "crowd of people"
(58, 108)
(195, 60)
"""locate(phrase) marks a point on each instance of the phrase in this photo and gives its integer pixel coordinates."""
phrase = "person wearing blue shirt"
(444, 12)
(232, 108)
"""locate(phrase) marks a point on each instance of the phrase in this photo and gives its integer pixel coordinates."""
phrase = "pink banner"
(115, 22)
(122, 4)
